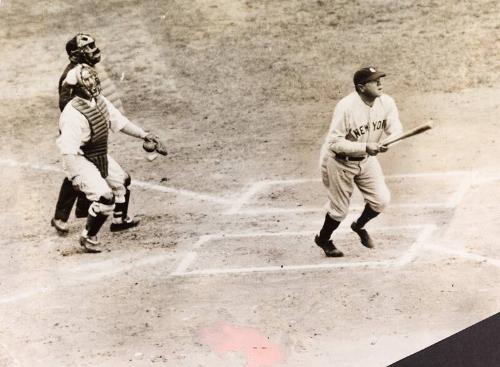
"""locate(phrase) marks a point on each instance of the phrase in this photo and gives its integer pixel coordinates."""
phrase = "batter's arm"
(340, 138)
(393, 124)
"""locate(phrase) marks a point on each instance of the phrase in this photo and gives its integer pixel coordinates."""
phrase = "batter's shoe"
(363, 235)
(328, 247)
(125, 224)
(60, 226)
(90, 244)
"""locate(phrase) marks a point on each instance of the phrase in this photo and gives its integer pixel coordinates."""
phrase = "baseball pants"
(93, 185)
(341, 179)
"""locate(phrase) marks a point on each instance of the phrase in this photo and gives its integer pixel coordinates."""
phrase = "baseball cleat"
(328, 247)
(60, 226)
(125, 224)
(363, 235)
(90, 244)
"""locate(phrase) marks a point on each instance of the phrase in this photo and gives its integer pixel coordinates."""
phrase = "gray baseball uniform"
(344, 162)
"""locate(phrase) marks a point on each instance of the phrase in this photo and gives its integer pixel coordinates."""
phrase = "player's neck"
(368, 99)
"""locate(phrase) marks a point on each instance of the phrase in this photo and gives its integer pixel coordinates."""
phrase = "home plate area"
(426, 198)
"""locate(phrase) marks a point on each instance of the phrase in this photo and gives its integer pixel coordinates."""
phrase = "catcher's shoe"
(90, 244)
(363, 235)
(60, 226)
(328, 247)
(125, 224)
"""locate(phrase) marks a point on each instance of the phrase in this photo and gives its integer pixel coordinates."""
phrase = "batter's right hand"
(372, 148)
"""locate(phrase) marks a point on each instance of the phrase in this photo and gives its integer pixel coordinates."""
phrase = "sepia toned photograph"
(247, 183)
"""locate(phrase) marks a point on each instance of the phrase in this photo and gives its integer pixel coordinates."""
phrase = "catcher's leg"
(100, 194)
(120, 181)
(98, 213)
(65, 201)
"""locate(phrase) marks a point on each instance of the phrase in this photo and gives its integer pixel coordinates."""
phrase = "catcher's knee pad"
(104, 205)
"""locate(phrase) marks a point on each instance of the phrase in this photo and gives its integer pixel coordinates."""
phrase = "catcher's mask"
(89, 85)
(82, 49)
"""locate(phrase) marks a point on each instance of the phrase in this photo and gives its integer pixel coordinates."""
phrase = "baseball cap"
(366, 75)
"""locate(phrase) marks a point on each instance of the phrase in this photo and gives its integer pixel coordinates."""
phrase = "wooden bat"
(418, 130)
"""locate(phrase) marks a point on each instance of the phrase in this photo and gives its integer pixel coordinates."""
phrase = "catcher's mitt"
(152, 143)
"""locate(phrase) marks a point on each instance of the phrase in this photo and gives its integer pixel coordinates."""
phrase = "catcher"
(81, 49)
(84, 125)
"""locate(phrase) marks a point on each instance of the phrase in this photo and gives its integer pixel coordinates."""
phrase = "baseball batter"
(84, 124)
(359, 123)
(81, 49)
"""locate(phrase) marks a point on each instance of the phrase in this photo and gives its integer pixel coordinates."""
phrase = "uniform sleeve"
(338, 137)
(70, 125)
(117, 119)
(393, 125)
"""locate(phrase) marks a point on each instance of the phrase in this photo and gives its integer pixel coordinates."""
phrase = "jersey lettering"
(363, 129)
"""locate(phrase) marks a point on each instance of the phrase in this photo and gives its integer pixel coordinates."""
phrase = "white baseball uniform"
(344, 161)
(75, 132)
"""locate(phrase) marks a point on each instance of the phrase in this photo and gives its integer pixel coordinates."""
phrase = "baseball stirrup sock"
(94, 223)
(329, 226)
(367, 215)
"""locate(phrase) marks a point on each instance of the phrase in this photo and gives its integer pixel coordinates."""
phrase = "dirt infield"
(223, 270)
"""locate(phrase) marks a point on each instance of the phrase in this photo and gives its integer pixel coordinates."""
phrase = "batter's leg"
(340, 186)
(323, 239)
(372, 185)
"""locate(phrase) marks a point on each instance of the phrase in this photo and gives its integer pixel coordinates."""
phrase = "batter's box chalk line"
(409, 256)
(238, 207)
(464, 255)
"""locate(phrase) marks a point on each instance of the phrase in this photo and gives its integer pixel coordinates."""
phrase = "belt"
(346, 158)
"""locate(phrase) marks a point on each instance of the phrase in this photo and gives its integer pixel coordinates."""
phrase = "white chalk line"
(142, 184)
(259, 210)
(274, 269)
(192, 255)
(464, 255)
(237, 203)
(255, 188)
(192, 194)
(23, 295)
(93, 271)
(411, 254)
(463, 188)
(245, 197)
(10, 355)
(114, 266)
(185, 263)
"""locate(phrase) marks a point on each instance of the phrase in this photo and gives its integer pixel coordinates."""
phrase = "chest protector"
(96, 149)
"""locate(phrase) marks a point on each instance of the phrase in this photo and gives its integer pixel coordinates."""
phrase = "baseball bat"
(418, 130)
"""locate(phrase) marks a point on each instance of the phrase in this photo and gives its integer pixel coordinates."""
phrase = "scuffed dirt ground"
(243, 92)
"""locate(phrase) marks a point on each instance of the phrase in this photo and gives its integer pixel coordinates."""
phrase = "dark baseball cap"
(366, 75)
